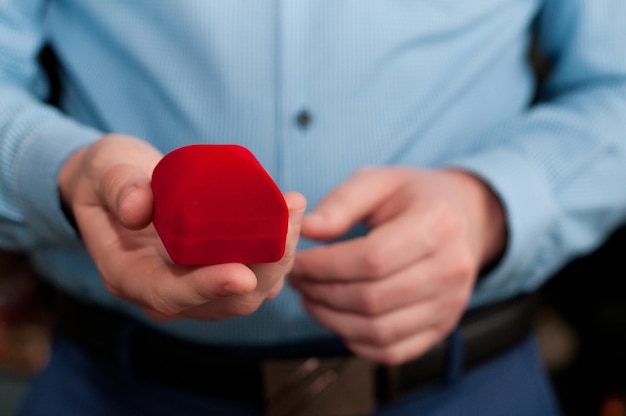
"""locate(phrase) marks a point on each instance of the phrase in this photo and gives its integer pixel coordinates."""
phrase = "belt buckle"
(338, 386)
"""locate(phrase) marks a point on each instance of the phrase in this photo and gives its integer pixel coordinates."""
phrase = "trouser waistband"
(290, 378)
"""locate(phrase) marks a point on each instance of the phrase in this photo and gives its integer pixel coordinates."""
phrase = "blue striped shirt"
(424, 83)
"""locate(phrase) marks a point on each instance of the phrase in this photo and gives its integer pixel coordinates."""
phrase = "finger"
(401, 352)
(373, 298)
(276, 289)
(269, 273)
(125, 191)
(226, 308)
(344, 261)
(381, 330)
(201, 292)
(161, 317)
(296, 203)
(348, 204)
(422, 280)
(385, 250)
(390, 338)
(171, 290)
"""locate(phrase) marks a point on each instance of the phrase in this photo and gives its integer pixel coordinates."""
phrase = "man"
(437, 182)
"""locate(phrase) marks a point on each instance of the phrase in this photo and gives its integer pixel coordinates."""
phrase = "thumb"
(348, 204)
(125, 190)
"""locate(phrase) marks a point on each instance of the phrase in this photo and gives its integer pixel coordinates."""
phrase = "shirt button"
(304, 119)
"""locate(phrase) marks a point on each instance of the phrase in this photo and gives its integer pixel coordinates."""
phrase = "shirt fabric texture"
(428, 84)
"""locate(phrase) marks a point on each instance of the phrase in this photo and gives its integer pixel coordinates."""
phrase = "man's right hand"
(107, 187)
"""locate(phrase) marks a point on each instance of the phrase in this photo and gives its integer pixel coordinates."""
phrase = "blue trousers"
(74, 383)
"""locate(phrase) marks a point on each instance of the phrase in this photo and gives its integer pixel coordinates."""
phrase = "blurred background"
(24, 330)
(581, 327)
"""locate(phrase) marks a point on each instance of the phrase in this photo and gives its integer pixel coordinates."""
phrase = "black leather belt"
(299, 373)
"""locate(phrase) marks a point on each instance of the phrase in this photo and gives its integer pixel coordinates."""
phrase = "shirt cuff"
(530, 211)
(38, 166)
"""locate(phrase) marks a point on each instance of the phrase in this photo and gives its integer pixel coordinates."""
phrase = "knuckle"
(374, 261)
(465, 265)
(448, 327)
(112, 180)
(275, 290)
(459, 270)
(461, 300)
(379, 334)
(159, 302)
(451, 311)
(369, 302)
(449, 223)
(289, 256)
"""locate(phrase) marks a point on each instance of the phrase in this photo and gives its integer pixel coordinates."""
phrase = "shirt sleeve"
(35, 139)
(560, 168)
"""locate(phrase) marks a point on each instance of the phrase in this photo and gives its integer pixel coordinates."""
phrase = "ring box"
(215, 203)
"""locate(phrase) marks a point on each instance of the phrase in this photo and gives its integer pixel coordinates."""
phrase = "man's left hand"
(397, 291)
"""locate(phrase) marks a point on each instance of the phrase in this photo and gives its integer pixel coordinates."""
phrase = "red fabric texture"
(215, 203)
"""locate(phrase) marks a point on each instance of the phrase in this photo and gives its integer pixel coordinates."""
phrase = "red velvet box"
(216, 204)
